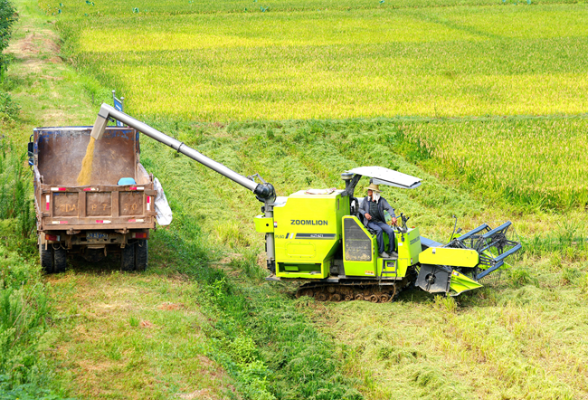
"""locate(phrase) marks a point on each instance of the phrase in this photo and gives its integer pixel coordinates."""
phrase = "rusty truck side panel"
(62, 205)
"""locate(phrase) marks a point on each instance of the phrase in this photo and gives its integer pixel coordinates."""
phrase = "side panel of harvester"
(307, 231)
(409, 248)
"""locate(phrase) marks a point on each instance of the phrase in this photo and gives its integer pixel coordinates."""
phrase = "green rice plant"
(228, 232)
(570, 276)
(8, 16)
(247, 263)
(134, 321)
(525, 174)
(22, 324)
(445, 303)
(521, 277)
(9, 109)
(583, 284)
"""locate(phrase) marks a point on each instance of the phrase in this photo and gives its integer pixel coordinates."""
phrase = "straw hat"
(375, 188)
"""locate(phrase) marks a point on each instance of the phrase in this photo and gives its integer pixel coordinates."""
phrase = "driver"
(372, 209)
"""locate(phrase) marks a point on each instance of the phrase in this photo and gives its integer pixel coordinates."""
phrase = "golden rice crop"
(178, 60)
(175, 7)
(538, 162)
(337, 64)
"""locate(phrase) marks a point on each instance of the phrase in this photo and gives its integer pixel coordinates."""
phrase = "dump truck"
(111, 215)
(317, 237)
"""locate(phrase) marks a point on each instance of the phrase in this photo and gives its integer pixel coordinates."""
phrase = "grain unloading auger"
(317, 237)
(263, 191)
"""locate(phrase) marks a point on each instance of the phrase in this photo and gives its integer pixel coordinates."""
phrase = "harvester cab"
(317, 236)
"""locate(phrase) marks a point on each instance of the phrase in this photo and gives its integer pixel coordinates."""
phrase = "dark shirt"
(374, 212)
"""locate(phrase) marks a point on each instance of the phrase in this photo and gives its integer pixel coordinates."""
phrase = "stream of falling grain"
(86, 172)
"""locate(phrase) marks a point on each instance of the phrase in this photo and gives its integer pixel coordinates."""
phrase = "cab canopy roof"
(385, 176)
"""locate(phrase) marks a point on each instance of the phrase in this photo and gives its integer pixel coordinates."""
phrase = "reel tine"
(472, 233)
(501, 230)
(499, 261)
(483, 239)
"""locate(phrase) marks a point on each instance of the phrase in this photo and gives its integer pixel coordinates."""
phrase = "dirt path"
(125, 336)
(48, 90)
(116, 336)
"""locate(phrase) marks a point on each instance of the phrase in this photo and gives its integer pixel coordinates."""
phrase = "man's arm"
(387, 207)
(362, 207)
(365, 208)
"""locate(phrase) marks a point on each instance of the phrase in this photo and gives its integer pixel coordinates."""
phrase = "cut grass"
(508, 343)
(133, 337)
(505, 341)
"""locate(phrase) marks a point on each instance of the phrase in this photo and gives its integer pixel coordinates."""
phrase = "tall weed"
(15, 188)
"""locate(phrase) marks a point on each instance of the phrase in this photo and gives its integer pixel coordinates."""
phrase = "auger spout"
(264, 192)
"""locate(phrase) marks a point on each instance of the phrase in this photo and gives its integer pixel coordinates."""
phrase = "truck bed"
(61, 204)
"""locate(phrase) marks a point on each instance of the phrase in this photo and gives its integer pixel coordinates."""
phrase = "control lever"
(404, 219)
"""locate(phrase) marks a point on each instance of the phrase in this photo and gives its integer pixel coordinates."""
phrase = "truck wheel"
(127, 257)
(60, 260)
(46, 257)
(141, 255)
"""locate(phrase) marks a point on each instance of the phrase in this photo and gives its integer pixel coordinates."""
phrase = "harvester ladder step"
(390, 271)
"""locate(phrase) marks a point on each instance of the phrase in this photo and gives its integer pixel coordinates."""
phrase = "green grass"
(133, 337)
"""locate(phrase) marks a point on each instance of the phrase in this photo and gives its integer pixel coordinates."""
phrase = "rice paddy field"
(484, 100)
(216, 61)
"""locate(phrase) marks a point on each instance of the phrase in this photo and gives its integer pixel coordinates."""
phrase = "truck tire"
(46, 256)
(141, 255)
(127, 257)
(60, 257)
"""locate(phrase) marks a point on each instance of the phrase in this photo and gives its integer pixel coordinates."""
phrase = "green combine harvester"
(321, 241)
(317, 237)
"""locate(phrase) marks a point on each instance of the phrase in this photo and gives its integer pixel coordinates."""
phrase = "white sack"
(163, 213)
